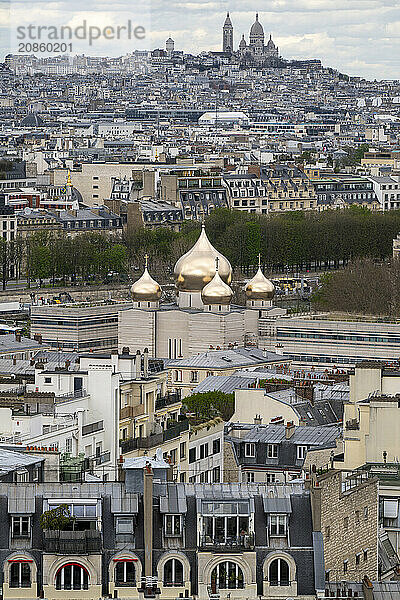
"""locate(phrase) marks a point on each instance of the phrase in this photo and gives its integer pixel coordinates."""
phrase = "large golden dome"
(260, 288)
(216, 292)
(196, 268)
(145, 289)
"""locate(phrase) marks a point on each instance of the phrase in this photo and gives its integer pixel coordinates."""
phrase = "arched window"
(125, 573)
(72, 577)
(20, 574)
(173, 572)
(227, 576)
(279, 572)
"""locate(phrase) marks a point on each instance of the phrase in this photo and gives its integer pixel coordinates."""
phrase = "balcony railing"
(230, 544)
(156, 439)
(72, 542)
(167, 400)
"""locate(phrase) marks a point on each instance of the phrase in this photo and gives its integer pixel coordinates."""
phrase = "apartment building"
(278, 188)
(147, 537)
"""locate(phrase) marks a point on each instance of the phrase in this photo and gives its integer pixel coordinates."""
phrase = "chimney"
(146, 363)
(290, 429)
(38, 337)
(17, 336)
(368, 588)
(125, 350)
(258, 420)
(148, 519)
(138, 364)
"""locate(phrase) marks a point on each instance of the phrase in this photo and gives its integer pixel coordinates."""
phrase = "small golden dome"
(145, 289)
(217, 291)
(196, 268)
(260, 288)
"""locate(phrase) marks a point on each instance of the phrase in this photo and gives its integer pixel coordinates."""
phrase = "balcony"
(167, 400)
(130, 412)
(72, 542)
(155, 439)
(230, 544)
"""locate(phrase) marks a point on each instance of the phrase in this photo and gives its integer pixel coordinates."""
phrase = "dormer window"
(249, 450)
(173, 525)
(278, 525)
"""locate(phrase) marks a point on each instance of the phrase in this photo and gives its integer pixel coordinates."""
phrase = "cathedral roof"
(228, 20)
(196, 268)
(256, 28)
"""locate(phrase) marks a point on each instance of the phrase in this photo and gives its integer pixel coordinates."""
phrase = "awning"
(277, 505)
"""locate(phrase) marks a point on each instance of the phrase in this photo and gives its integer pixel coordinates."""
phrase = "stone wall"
(349, 524)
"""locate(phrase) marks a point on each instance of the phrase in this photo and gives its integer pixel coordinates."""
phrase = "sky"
(358, 37)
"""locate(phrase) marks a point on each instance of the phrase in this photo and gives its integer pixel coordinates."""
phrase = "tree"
(208, 405)
(56, 519)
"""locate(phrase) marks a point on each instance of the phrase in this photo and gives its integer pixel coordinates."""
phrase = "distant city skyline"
(358, 37)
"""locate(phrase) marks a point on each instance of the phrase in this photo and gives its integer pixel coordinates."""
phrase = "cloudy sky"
(359, 37)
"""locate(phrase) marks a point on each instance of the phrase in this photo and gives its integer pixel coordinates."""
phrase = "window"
(216, 475)
(250, 477)
(177, 375)
(365, 555)
(192, 455)
(20, 574)
(227, 576)
(173, 525)
(301, 452)
(68, 445)
(72, 577)
(357, 517)
(345, 566)
(125, 573)
(346, 522)
(47, 379)
(277, 525)
(216, 446)
(279, 572)
(194, 376)
(249, 450)
(20, 526)
(173, 572)
(327, 533)
(271, 478)
(182, 450)
(365, 513)
(204, 451)
(272, 451)
(21, 476)
(358, 559)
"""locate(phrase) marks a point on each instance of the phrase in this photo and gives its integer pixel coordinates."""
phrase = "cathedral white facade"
(202, 317)
(255, 49)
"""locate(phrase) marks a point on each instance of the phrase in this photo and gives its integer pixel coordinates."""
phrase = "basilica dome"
(216, 292)
(259, 288)
(196, 268)
(256, 28)
(145, 289)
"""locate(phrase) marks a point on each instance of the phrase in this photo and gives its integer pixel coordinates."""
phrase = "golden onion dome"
(145, 289)
(196, 268)
(259, 288)
(217, 291)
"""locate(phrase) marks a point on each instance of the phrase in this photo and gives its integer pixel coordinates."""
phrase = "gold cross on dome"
(259, 259)
(146, 260)
(216, 263)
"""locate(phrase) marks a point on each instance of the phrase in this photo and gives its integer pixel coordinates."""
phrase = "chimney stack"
(146, 363)
(290, 429)
(138, 365)
(368, 588)
(258, 420)
(148, 519)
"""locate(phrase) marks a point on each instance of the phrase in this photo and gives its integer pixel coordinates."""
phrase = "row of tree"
(47, 255)
(296, 238)
(363, 287)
